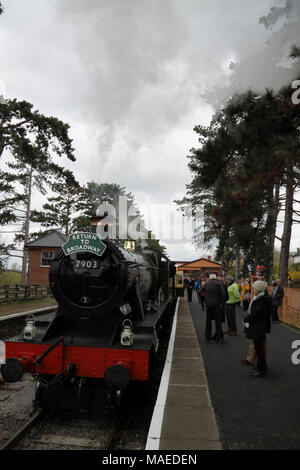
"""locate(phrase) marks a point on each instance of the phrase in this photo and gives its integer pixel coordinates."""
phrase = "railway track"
(21, 428)
(65, 431)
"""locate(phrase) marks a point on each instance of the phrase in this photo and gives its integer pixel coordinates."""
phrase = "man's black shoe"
(246, 362)
(259, 374)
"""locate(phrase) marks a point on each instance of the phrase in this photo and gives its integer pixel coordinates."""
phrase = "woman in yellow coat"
(245, 295)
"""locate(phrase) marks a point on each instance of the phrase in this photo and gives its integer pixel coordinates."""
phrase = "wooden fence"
(19, 292)
(289, 312)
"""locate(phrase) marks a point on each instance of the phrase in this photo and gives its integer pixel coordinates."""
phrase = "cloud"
(132, 77)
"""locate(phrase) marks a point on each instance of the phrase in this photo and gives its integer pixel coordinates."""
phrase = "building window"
(47, 257)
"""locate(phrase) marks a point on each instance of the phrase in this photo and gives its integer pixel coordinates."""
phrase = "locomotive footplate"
(90, 355)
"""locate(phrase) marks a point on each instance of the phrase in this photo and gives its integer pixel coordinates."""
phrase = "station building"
(200, 268)
(40, 253)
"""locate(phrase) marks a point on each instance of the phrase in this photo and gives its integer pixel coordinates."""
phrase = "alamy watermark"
(296, 94)
(158, 221)
(296, 354)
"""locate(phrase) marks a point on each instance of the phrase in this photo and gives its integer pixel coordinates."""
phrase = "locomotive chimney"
(96, 220)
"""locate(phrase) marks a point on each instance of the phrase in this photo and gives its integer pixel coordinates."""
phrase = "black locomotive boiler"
(112, 304)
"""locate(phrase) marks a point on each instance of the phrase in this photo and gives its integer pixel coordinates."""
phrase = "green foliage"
(59, 211)
(31, 138)
(155, 244)
(295, 275)
(30, 135)
(243, 154)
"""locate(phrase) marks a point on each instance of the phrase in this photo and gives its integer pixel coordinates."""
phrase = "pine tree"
(235, 167)
(60, 210)
(31, 139)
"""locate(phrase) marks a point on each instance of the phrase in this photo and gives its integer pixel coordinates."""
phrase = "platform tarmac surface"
(183, 418)
(252, 413)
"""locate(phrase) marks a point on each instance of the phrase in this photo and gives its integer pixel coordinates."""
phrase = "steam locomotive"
(112, 305)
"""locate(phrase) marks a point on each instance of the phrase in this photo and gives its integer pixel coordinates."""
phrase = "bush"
(295, 275)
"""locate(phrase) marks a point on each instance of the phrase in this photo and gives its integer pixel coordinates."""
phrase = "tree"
(1, 9)
(124, 208)
(31, 139)
(60, 210)
(276, 136)
(242, 159)
(29, 133)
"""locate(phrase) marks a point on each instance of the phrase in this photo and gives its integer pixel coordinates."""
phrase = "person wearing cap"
(258, 323)
(233, 299)
(214, 299)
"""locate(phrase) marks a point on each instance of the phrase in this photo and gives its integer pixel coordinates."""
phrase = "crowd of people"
(220, 299)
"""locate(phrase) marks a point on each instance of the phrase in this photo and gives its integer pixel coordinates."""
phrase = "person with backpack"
(233, 299)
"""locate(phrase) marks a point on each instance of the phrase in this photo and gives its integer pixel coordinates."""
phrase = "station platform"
(183, 417)
(209, 400)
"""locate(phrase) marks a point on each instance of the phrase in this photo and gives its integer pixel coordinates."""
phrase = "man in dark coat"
(277, 296)
(214, 300)
(190, 287)
(258, 323)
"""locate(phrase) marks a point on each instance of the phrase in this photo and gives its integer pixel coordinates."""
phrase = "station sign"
(84, 242)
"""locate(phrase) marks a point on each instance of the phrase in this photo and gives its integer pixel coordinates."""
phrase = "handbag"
(246, 296)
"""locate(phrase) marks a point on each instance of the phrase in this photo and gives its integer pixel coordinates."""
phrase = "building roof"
(198, 264)
(53, 239)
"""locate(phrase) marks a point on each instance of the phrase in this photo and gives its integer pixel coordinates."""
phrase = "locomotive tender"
(112, 304)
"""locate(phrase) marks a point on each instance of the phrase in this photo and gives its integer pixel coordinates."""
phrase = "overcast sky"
(132, 78)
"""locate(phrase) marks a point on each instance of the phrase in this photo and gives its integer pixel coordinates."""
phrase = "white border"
(154, 433)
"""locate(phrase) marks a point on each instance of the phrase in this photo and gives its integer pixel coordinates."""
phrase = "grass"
(291, 326)
(10, 277)
(15, 307)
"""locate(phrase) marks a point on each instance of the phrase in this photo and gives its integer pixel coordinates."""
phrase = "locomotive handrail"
(45, 353)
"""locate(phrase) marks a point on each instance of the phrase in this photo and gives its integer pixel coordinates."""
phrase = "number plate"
(86, 264)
